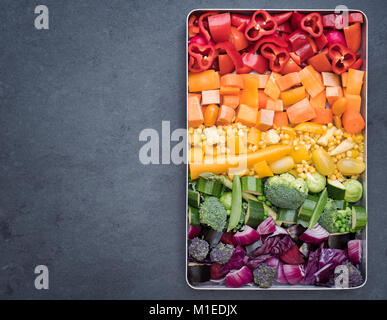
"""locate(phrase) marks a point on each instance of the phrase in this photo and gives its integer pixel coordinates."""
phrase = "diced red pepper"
(244, 70)
(285, 27)
(203, 25)
(226, 65)
(261, 24)
(296, 20)
(193, 27)
(238, 20)
(238, 39)
(312, 23)
(321, 41)
(274, 38)
(201, 57)
(220, 26)
(357, 64)
(255, 62)
(298, 39)
(233, 53)
(282, 17)
(334, 21)
(355, 17)
(305, 52)
(277, 56)
(342, 57)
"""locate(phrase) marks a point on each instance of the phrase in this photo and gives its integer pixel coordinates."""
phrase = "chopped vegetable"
(293, 273)
(267, 226)
(282, 165)
(221, 253)
(236, 203)
(264, 275)
(193, 231)
(354, 251)
(206, 80)
(350, 166)
(213, 213)
(315, 236)
(353, 190)
(353, 121)
(246, 236)
(247, 115)
(301, 111)
(198, 249)
(239, 278)
(315, 182)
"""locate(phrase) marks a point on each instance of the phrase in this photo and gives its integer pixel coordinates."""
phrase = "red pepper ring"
(220, 26)
(233, 53)
(274, 38)
(342, 57)
(255, 62)
(278, 57)
(312, 23)
(201, 57)
(261, 24)
(203, 25)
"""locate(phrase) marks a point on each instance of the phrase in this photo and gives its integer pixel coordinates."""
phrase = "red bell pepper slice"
(357, 64)
(238, 39)
(261, 24)
(298, 39)
(225, 64)
(295, 21)
(220, 26)
(255, 62)
(203, 25)
(201, 57)
(306, 51)
(312, 23)
(233, 53)
(355, 17)
(277, 56)
(193, 27)
(274, 38)
(321, 42)
(342, 57)
(282, 17)
(237, 20)
(285, 27)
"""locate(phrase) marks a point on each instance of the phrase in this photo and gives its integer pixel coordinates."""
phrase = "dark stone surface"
(74, 196)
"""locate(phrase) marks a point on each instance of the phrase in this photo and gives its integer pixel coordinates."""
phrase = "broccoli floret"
(213, 214)
(330, 216)
(354, 276)
(285, 191)
(264, 275)
(198, 249)
(222, 253)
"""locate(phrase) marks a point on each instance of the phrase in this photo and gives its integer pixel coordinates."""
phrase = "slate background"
(73, 194)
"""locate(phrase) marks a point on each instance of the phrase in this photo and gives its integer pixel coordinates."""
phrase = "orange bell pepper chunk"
(291, 66)
(231, 101)
(265, 119)
(323, 116)
(319, 101)
(333, 93)
(249, 93)
(275, 105)
(210, 97)
(262, 99)
(330, 79)
(292, 96)
(280, 119)
(300, 112)
(195, 115)
(355, 81)
(311, 81)
(201, 81)
(320, 62)
(229, 91)
(352, 35)
(261, 79)
(247, 115)
(225, 115)
(232, 80)
(262, 169)
(253, 136)
(289, 80)
(354, 102)
(272, 89)
(344, 79)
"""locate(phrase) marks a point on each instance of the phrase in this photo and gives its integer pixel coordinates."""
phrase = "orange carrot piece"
(281, 119)
(292, 96)
(262, 99)
(344, 79)
(247, 115)
(231, 101)
(225, 115)
(352, 35)
(320, 62)
(272, 89)
(323, 116)
(275, 105)
(330, 79)
(265, 119)
(355, 81)
(302, 111)
(291, 66)
(229, 91)
(210, 97)
(289, 80)
(319, 101)
(353, 121)
(311, 81)
(333, 93)
(206, 80)
(249, 94)
(231, 80)
(195, 115)
(354, 102)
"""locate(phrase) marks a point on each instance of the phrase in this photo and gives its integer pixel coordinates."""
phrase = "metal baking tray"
(209, 285)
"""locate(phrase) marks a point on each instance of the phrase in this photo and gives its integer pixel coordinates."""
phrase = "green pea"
(261, 198)
(340, 215)
(341, 230)
(337, 223)
(349, 214)
(352, 230)
(268, 203)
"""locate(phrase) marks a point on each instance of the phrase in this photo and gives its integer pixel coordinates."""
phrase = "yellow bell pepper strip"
(272, 89)
(311, 81)
(355, 81)
(247, 115)
(319, 101)
(202, 81)
(310, 127)
(333, 93)
(292, 96)
(195, 114)
(253, 136)
(352, 35)
(249, 93)
(222, 164)
(300, 153)
(262, 169)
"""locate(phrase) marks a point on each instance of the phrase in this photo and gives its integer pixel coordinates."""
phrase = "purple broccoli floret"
(264, 275)
(198, 249)
(222, 253)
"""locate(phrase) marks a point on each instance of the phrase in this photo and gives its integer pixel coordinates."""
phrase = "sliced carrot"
(333, 93)
(339, 106)
(281, 119)
(210, 97)
(275, 105)
(353, 121)
(261, 79)
(265, 119)
(229, 91)
(289, 80)
(354, 102)
(330, 79)
(292, 96)
(262, 99)
(247, 115)
(249, 93)
(291, 66)
(201, 81)
(311, 81)
(231, 101)
(231, 80)
(323, 116)
(272, 89)
(355, 81)
(344, 79)
(352, 35)
(320, 62)
(225, 115)
(195, 115)
(302, 111)
(319, 101)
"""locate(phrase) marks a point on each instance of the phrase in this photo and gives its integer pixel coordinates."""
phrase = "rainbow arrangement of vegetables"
(276, 148)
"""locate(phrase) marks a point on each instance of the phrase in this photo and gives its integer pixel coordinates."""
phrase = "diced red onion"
(354, 251)
(193, 231)
(272, 262)
(294, 273)
(315, 236)
(292, 256)
(335, 36)
(247, 236)
(281, 274)
(239, 277)
(267, 226)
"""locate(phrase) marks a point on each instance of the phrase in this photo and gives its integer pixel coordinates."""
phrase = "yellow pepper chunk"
(300, 153)
(262, 169)
(310, 127)
(254, 136)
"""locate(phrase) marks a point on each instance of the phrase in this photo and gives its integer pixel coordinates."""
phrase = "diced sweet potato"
(330, 79)
(275, 105)
(225, 115)
(265, 119)
(247, 115)
(195, 115)
(301, 111)
(333, 93)
(210, 97)
(289, 80)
